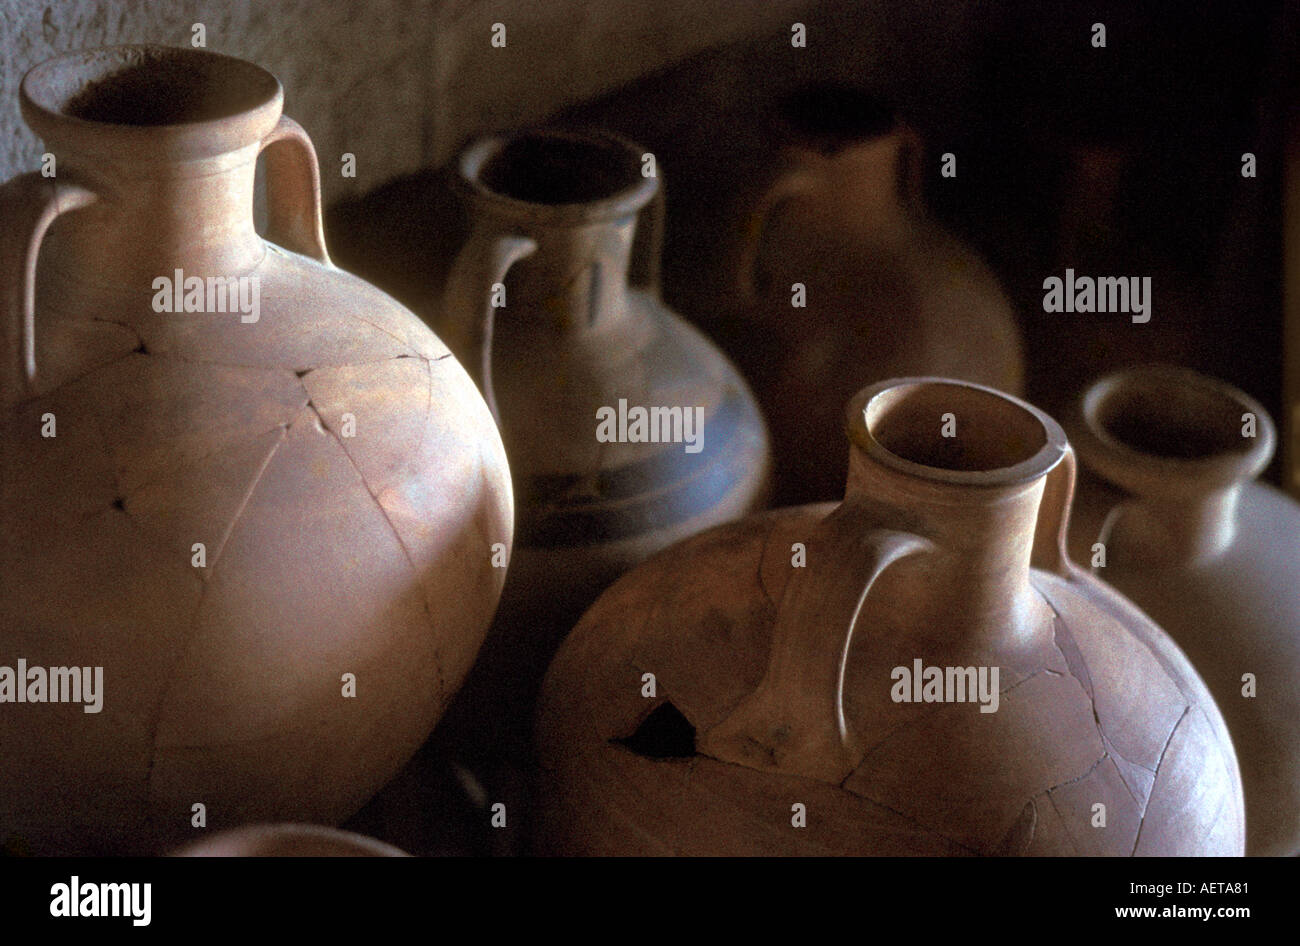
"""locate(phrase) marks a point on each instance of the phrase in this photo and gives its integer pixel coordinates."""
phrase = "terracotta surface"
(830, 198)
(289, 840)
(569, 226)
(774, 682)
(328, 549)
(1209, 553)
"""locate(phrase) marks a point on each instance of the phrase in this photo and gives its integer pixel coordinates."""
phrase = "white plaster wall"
(399, 83)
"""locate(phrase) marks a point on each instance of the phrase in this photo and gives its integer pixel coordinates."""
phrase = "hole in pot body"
(664, 734)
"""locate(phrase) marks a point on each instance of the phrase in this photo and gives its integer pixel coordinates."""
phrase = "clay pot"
(289, 840)
(1175, 520)
(776, 720)
(230, 509)
(887, 292)
(553, 303)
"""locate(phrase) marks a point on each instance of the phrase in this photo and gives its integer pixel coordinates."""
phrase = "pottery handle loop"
(1050, 550)
(293, 201)
(468, 310)
(648, 244)
(788, 186)
(28, 205)
(794, 722)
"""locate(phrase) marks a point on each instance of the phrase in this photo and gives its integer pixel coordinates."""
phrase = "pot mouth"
(826, 117)
(1160, 422)
(198, 102)
(954, 432)
(552, 174)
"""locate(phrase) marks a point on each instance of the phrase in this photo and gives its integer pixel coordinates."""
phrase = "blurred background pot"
(831, 199)
(775, 646)
(1173, 517)
(268, 522)
(553, 304)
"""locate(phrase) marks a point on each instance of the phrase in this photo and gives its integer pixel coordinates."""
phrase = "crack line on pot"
(49, 392)
(1142, 821)
(379, 328)
(141, 348)
(170, 678)
(1078, 778)
(406, 553)
(1064, 825)
(922, 715)
(1061, 639)
(758, 572)
(248, 495)
(225, 448)
(920, 826)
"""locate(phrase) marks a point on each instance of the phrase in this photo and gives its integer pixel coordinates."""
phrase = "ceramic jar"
(1173, 517)
(250, 494)
(553, 304)
(916, 670)
(833, 204)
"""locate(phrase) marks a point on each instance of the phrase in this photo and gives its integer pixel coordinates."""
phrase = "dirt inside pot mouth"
(150, 86)
(955, 427)
(554, 168)
(1170, 416)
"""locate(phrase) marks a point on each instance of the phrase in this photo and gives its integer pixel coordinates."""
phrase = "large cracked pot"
(744, 692)
(1173, 517)
(265, 512)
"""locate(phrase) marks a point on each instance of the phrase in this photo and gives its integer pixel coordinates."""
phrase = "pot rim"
(1147, 471)
(48, 88)
(1042, 461)
(618, 205)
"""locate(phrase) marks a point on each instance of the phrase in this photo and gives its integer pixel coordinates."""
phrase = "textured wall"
(399, 83)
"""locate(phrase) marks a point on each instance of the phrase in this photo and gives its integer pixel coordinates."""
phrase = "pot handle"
(1050, 552)
(28, 205)
(794, 722)
(293, 201)
(794, 183)
(467, 310)
(648, 244)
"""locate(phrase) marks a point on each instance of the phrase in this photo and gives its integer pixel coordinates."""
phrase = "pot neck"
(194, 216)
(1181, 448)
(975, 496)
(578, 197)
(578, 275)
(983, 542)
(864, 155)
(168, 139)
